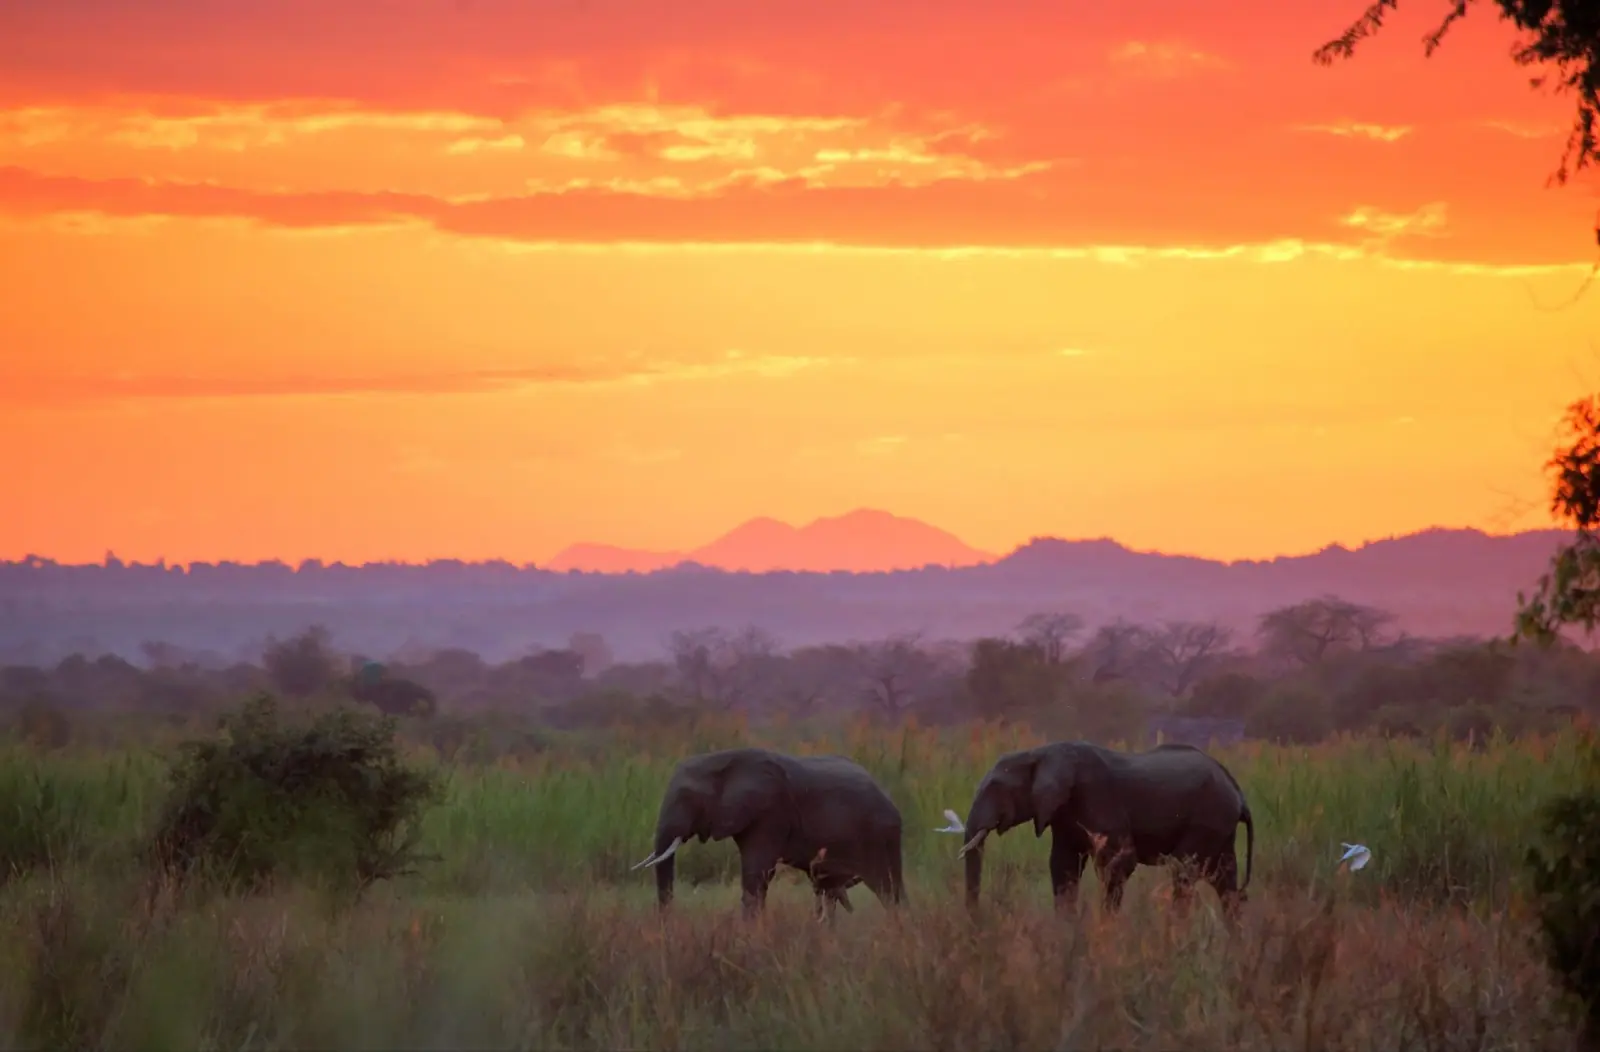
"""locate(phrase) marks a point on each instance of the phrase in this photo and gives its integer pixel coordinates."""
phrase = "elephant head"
(713, 797)
(1030, 784)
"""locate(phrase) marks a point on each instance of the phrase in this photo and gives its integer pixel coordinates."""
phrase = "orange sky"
(480, 279)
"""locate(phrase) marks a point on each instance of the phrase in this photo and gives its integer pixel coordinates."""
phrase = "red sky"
(479, 279)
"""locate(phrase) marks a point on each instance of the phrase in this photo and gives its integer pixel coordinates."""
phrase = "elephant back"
(834, 775)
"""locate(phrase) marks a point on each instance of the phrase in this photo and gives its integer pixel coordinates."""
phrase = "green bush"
(1567, 884)
(330, 799)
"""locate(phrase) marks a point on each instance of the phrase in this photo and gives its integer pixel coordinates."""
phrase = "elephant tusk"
(973, 844)
(656, 860)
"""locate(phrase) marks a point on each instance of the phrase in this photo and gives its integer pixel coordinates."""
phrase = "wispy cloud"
(1387, 133)
(1164, 58)
(1524, 129)
(479, 144)
(881, 445)
(676, 149)
(1427, 221)
(751, 221)
(40, 389)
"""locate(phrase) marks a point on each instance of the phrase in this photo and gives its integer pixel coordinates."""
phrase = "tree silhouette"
(1310, 632)
(896, 671)
(1007, 678)
(1052, 633)
(303, 664)
(1118, 650)
(1569, 593)
(1184, 651)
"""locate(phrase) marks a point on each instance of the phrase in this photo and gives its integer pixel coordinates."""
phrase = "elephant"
(824, 815)
(1120, 809)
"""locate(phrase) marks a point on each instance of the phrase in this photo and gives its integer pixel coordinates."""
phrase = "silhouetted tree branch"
(1569, 593)
(1564, 34)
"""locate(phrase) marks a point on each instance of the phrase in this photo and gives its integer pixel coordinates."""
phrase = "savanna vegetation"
(308, 878)
(323, 850)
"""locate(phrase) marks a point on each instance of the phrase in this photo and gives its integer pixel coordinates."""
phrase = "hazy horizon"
(687, 553)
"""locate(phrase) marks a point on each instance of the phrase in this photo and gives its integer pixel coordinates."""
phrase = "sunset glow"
(482, 279)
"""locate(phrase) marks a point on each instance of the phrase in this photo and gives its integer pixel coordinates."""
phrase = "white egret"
(1355, 856)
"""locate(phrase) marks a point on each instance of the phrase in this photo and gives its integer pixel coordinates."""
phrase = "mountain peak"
(862, 540)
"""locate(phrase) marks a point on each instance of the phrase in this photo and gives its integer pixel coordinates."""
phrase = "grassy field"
(530, 932)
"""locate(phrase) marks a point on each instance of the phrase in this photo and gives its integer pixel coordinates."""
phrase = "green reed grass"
(1444, 821)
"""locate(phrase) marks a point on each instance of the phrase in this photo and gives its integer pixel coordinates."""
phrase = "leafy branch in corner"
(1563, 36)
(1569, 593)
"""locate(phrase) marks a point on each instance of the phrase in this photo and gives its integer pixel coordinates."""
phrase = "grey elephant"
(1122, 810)
(824, 815)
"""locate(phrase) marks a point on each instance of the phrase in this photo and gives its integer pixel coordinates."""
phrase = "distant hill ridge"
(875, 542)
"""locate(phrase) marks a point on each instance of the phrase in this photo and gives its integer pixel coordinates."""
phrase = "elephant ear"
(746, 791)
(1052, 785)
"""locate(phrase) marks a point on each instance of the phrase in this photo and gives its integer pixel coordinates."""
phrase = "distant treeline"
(1436, 583)
(1309, 670)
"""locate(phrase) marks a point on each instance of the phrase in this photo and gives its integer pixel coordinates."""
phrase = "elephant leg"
(881, 880)
(897, 879)
(1068, 858)
(882, 875)
(756, 872)
(1114, 868)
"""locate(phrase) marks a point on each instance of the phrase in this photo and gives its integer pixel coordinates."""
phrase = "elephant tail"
(1249, 843)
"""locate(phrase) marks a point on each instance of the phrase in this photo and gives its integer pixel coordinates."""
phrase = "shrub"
(303, 665)
(1567, 884)
(394, 696)
(1291, 712)
(330, 799)
(43, 726)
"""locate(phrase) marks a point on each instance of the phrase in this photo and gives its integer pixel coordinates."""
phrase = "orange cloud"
(1427, 221)
(1527, 130)
(945, 215)
(664, 150)
(1164, 58)
(61, 389)
(1360, 130)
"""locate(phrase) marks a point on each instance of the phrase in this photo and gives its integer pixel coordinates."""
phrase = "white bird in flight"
(1358, 855)
(953, 824)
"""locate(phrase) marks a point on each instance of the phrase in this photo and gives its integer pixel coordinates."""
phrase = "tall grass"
(530, 932)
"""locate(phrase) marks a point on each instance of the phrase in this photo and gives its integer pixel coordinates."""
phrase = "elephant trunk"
(665, 873)
(981, 821)
(974, 859)
(666, 865)
(662, 861)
